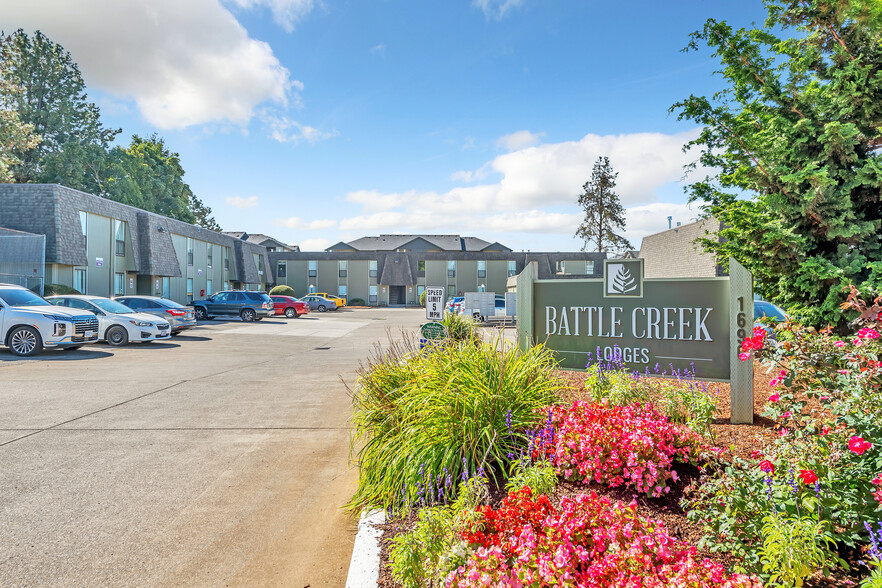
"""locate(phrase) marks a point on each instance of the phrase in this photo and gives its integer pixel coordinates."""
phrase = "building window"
(420, 290)
(342, 271)
(512, 268)
(451, 290)
(421, 268)
(83, 225)
(120, 237)
(282, 270)
(261, 268)
(80, 280)
(119, 284)
(189, 290)
(482, 268)
(189, 251)
(482, 288)
(313, 269)
(589, 266)
(226, 285)
(559, 267)
(341, 290)
(208, 288)
(372, 295)
(209, 255)
(451, 269)
(166, 288)
(373, 269)
(226, 260)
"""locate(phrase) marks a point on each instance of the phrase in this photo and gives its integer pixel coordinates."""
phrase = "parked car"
(117, 323)
(289, 306)
(249, 306)
(338, 300)
(178, 316)
(29, 322)
(319, 303)
(765, 314)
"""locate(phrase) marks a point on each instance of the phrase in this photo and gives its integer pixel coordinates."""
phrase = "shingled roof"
(395, 242)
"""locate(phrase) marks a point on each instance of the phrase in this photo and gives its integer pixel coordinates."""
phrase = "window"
(209, 255)
(373, 269)
(208, 288)
(166, 287)
(83, 225)
(282, 270)
(482, 288)
(372, 295)
(420, 290)
(226, 262)
(311, 288)
(260, 265)
(451, 269)
(189, 290)
(119, 284)
(421, 268)
(451, 290)
(341, 290)
(482, 268)
(589, 266)
(120, 237)
(559, 267)
(226, 285)
(342, 270)
(512, 268)
(79, 283)
(313, 269)
(189, 251)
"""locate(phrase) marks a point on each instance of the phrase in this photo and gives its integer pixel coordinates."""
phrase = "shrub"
(58, 290)
(620, 445)
(425, 418)
(423, 298)
(537, 475)
(282, 290)
(586, 541)
(459, 327)
(356, 302)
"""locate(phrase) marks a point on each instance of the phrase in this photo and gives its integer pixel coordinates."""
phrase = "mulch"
(739, 439)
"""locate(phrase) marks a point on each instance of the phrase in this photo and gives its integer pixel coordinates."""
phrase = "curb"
(364, 567)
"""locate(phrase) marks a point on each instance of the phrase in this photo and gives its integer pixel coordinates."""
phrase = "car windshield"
(111, 306)
(22, 297)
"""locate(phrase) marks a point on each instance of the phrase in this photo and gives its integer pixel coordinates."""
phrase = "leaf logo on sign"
(623, 282)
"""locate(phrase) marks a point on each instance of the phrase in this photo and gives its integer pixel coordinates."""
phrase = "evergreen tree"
(604, 214)
(16, 137)
(798, 130)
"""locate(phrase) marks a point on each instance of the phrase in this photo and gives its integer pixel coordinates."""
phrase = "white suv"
(28, 323)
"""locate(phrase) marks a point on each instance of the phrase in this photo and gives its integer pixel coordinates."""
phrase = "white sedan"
(117, 323)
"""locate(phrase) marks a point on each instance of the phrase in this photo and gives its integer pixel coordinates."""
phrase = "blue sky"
(320, 121)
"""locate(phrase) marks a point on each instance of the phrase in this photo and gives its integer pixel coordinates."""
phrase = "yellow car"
(337, 299)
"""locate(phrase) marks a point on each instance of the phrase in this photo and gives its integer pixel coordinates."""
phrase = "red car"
(290, 307)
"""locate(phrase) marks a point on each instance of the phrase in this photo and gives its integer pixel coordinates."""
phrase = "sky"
(319, 121)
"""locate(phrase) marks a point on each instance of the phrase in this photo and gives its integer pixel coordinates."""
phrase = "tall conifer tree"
(604, 214)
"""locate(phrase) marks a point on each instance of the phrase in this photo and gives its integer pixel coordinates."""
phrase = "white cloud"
(295, 222)
(285, 130)
(183, 63)
(653, 218)
(315, 244)
(242, 203)
(496, 9)
(286, 13)
(379, 48)
(519, 140)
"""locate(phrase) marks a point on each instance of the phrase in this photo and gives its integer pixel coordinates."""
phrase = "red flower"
(767, 466)
(858, 445)
(756, 453)
(808, 476)
(774, 397)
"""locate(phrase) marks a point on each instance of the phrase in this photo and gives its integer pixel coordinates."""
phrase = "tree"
(53, 101)
(603, 211)
(16, 137)
(795, 139)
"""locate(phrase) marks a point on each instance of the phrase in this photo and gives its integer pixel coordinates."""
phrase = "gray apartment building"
(105, 248)
(395, 269)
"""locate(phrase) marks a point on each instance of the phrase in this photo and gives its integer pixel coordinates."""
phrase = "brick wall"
(674, 253)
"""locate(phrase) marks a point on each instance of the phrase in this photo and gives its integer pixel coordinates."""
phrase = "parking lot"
(218, 458)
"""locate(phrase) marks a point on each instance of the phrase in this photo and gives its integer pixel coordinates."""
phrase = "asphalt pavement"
(220, 458)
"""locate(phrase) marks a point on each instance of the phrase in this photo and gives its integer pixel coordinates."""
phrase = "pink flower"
(743, 356)
(858, 445)
(808, 476)
(839, 344)
(787, 414)
(783, 433)
(767, 466)
(756, 453)
(774, 382)
(868, 334)
(774, 397)
(825, 430)
(843, 372)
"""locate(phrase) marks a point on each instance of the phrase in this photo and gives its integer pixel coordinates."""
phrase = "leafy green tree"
(795, 138)
(604, 214)
(16, 137)
(53, 101)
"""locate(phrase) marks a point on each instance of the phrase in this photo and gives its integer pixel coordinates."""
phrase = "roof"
(418, 242)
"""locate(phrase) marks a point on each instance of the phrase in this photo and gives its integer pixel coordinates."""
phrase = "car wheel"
(25, 341)
(247, 315)
(201, 313)
(290, 313)
(322, 308)
(116, 336)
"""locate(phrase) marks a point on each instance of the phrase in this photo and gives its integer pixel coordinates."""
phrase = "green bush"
(460, 327)
(282, 290)
(58, 290)
(356, 302)
(425, 418)
(423, 298)
(537, 475)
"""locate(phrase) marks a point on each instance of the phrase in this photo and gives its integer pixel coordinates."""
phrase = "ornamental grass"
(424, 419)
